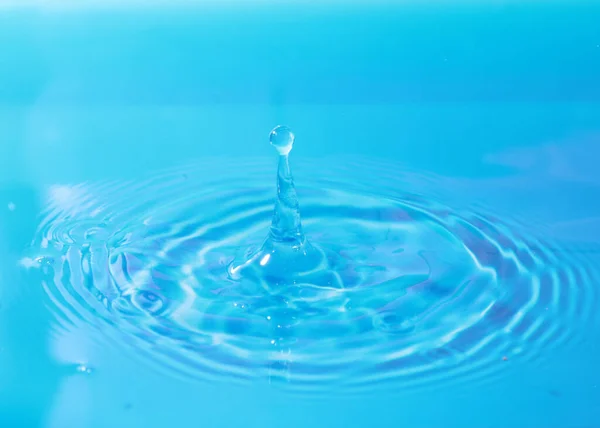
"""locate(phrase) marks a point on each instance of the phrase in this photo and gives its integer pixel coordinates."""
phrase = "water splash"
(286, 226)
(286, 256)
(404, 290)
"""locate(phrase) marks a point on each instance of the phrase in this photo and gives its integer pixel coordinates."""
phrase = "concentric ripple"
(420, 292)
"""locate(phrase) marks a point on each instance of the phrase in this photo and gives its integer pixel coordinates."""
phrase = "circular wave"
(424, 293)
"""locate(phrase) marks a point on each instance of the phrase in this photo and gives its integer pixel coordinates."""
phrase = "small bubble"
(11, 206)
(82, 368)
(44, 260)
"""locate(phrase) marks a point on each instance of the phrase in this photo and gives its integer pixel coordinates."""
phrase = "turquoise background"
(501, 98)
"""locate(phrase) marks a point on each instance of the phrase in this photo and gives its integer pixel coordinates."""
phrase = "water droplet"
(286, 253)
(82, 368)
(282, 138)
(44, 260)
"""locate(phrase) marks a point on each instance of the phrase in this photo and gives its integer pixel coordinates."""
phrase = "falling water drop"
(282, 138)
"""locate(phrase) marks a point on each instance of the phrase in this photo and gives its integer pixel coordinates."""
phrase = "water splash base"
(393, 288)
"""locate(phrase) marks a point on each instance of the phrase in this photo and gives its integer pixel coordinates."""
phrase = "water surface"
(449, 153)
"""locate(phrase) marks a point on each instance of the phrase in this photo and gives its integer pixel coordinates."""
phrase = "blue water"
(445, 164)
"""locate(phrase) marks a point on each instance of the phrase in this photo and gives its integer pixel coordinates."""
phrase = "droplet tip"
(282, 138)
